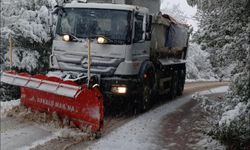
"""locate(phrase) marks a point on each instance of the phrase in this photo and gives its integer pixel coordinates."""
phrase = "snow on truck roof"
(106, 6)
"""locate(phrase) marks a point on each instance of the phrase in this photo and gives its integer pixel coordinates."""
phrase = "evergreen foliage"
(225, 33)
(28, 22)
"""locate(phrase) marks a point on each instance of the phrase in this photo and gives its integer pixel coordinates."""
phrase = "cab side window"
(138, 28)
(148, 28)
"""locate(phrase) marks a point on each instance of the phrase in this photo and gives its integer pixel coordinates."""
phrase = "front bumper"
(131, 83)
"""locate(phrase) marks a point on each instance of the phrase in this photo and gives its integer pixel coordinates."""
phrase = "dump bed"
(169, 38)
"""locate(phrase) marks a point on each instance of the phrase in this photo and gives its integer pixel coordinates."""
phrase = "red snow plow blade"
(82, 105)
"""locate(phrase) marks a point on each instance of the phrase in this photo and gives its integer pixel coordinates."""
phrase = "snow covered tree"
(198, 64)
(224, 33)
(223, 29)
(28, 22)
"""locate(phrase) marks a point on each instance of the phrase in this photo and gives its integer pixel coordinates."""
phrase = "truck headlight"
(119, 89)
(66, 38)
(102, 40)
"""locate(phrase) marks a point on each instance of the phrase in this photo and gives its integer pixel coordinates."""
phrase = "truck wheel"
(146, 98)
(146, 93)
(174, 85)
(181, 76)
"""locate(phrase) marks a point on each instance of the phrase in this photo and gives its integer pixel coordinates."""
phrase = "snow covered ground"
(24, 132)
(139, 133)
(6, 106)
(17, 134)
(22, 136)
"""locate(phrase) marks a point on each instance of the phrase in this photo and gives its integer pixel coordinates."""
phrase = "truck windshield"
(84, 23)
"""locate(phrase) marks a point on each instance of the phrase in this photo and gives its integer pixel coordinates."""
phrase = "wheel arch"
(149, 68)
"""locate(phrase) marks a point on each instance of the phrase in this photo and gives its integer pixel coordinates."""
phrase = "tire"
(174, 85)
(146, 98)
(146, 93)
(181, 82)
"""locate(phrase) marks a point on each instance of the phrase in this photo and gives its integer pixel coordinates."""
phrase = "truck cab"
(125, 27)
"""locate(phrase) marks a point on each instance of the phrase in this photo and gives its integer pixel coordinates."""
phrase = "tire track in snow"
(138, 134)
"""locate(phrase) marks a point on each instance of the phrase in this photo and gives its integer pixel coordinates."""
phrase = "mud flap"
(82, 105)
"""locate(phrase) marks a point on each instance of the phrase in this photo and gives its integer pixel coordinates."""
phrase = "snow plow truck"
(104, 51)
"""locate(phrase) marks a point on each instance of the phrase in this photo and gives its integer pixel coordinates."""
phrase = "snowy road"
(140, 133)
(136, 133)
(19, 135)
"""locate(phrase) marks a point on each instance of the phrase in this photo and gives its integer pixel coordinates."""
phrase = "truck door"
(140, 46)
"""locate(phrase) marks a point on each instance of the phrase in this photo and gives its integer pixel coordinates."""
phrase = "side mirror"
(58, 10)
(55, 10)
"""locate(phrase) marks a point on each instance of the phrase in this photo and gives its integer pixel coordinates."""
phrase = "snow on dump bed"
(139, 133)
(6, 106)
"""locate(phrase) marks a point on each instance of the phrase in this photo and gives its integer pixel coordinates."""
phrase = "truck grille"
(100, 65)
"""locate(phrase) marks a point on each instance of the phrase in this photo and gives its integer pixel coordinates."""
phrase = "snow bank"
(202, 80)
(210, 144)
(37, 128)
(66, 133)
(221, 89)
(230, 115)
(210, 106)
(6, 106)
